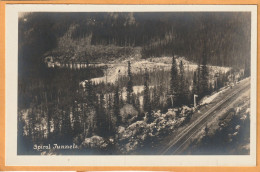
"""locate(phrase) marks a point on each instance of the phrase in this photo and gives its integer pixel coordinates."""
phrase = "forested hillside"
(106, 36)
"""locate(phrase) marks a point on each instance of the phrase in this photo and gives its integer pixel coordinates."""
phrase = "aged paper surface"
(12, 16)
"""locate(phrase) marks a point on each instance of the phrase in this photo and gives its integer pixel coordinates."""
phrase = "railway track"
(180, 140)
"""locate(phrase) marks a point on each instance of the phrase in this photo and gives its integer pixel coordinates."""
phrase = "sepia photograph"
(146, 83)
(134, 83)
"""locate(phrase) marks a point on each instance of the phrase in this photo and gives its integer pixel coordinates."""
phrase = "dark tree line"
(227, 36)
(158, 34)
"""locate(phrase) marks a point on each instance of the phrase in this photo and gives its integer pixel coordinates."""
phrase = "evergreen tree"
(49, 113)
(194, 84)
(210, 88)
(121, 99)
(111, 127)
(84, 116)
(102, 118)
(117, 107)
(129, 88)
(137, 103)
(109, 112)
(91, 96)
(66, 130)
(155, 99)
(92, 108)
(133, 98)
(215, 85)
(109, 102)
(181, 89)
(173, 82)
(204, 74)
(198, 89)
(48, 108)
(32, 123)
(76, 120)
(146, 100)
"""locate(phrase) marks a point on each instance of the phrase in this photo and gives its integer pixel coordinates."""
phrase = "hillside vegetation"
(96, 37)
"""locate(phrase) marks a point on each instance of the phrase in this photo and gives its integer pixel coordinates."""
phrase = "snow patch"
(119, 68)
(209, 99)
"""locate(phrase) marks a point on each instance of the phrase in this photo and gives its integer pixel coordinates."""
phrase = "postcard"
(131, 85)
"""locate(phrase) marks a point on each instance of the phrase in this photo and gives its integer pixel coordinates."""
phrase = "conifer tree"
(129, 88)
(66, 130)
(173, 82)
(91, 96)
(49, 114)
(146, 101)
(137, 103)
(194, 84)
(110, 107)
(210, 88)
(32, 123)
(174, 77)
(76, 120)
(198, 89)
(204, 74)
(156, 99)
(116, 107)
(215, 85)
(109, 102)
(102, 120)
(181, 89)
(121, 99)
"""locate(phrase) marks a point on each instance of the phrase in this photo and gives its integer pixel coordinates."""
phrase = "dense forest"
(63, 105)
(226, 35)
